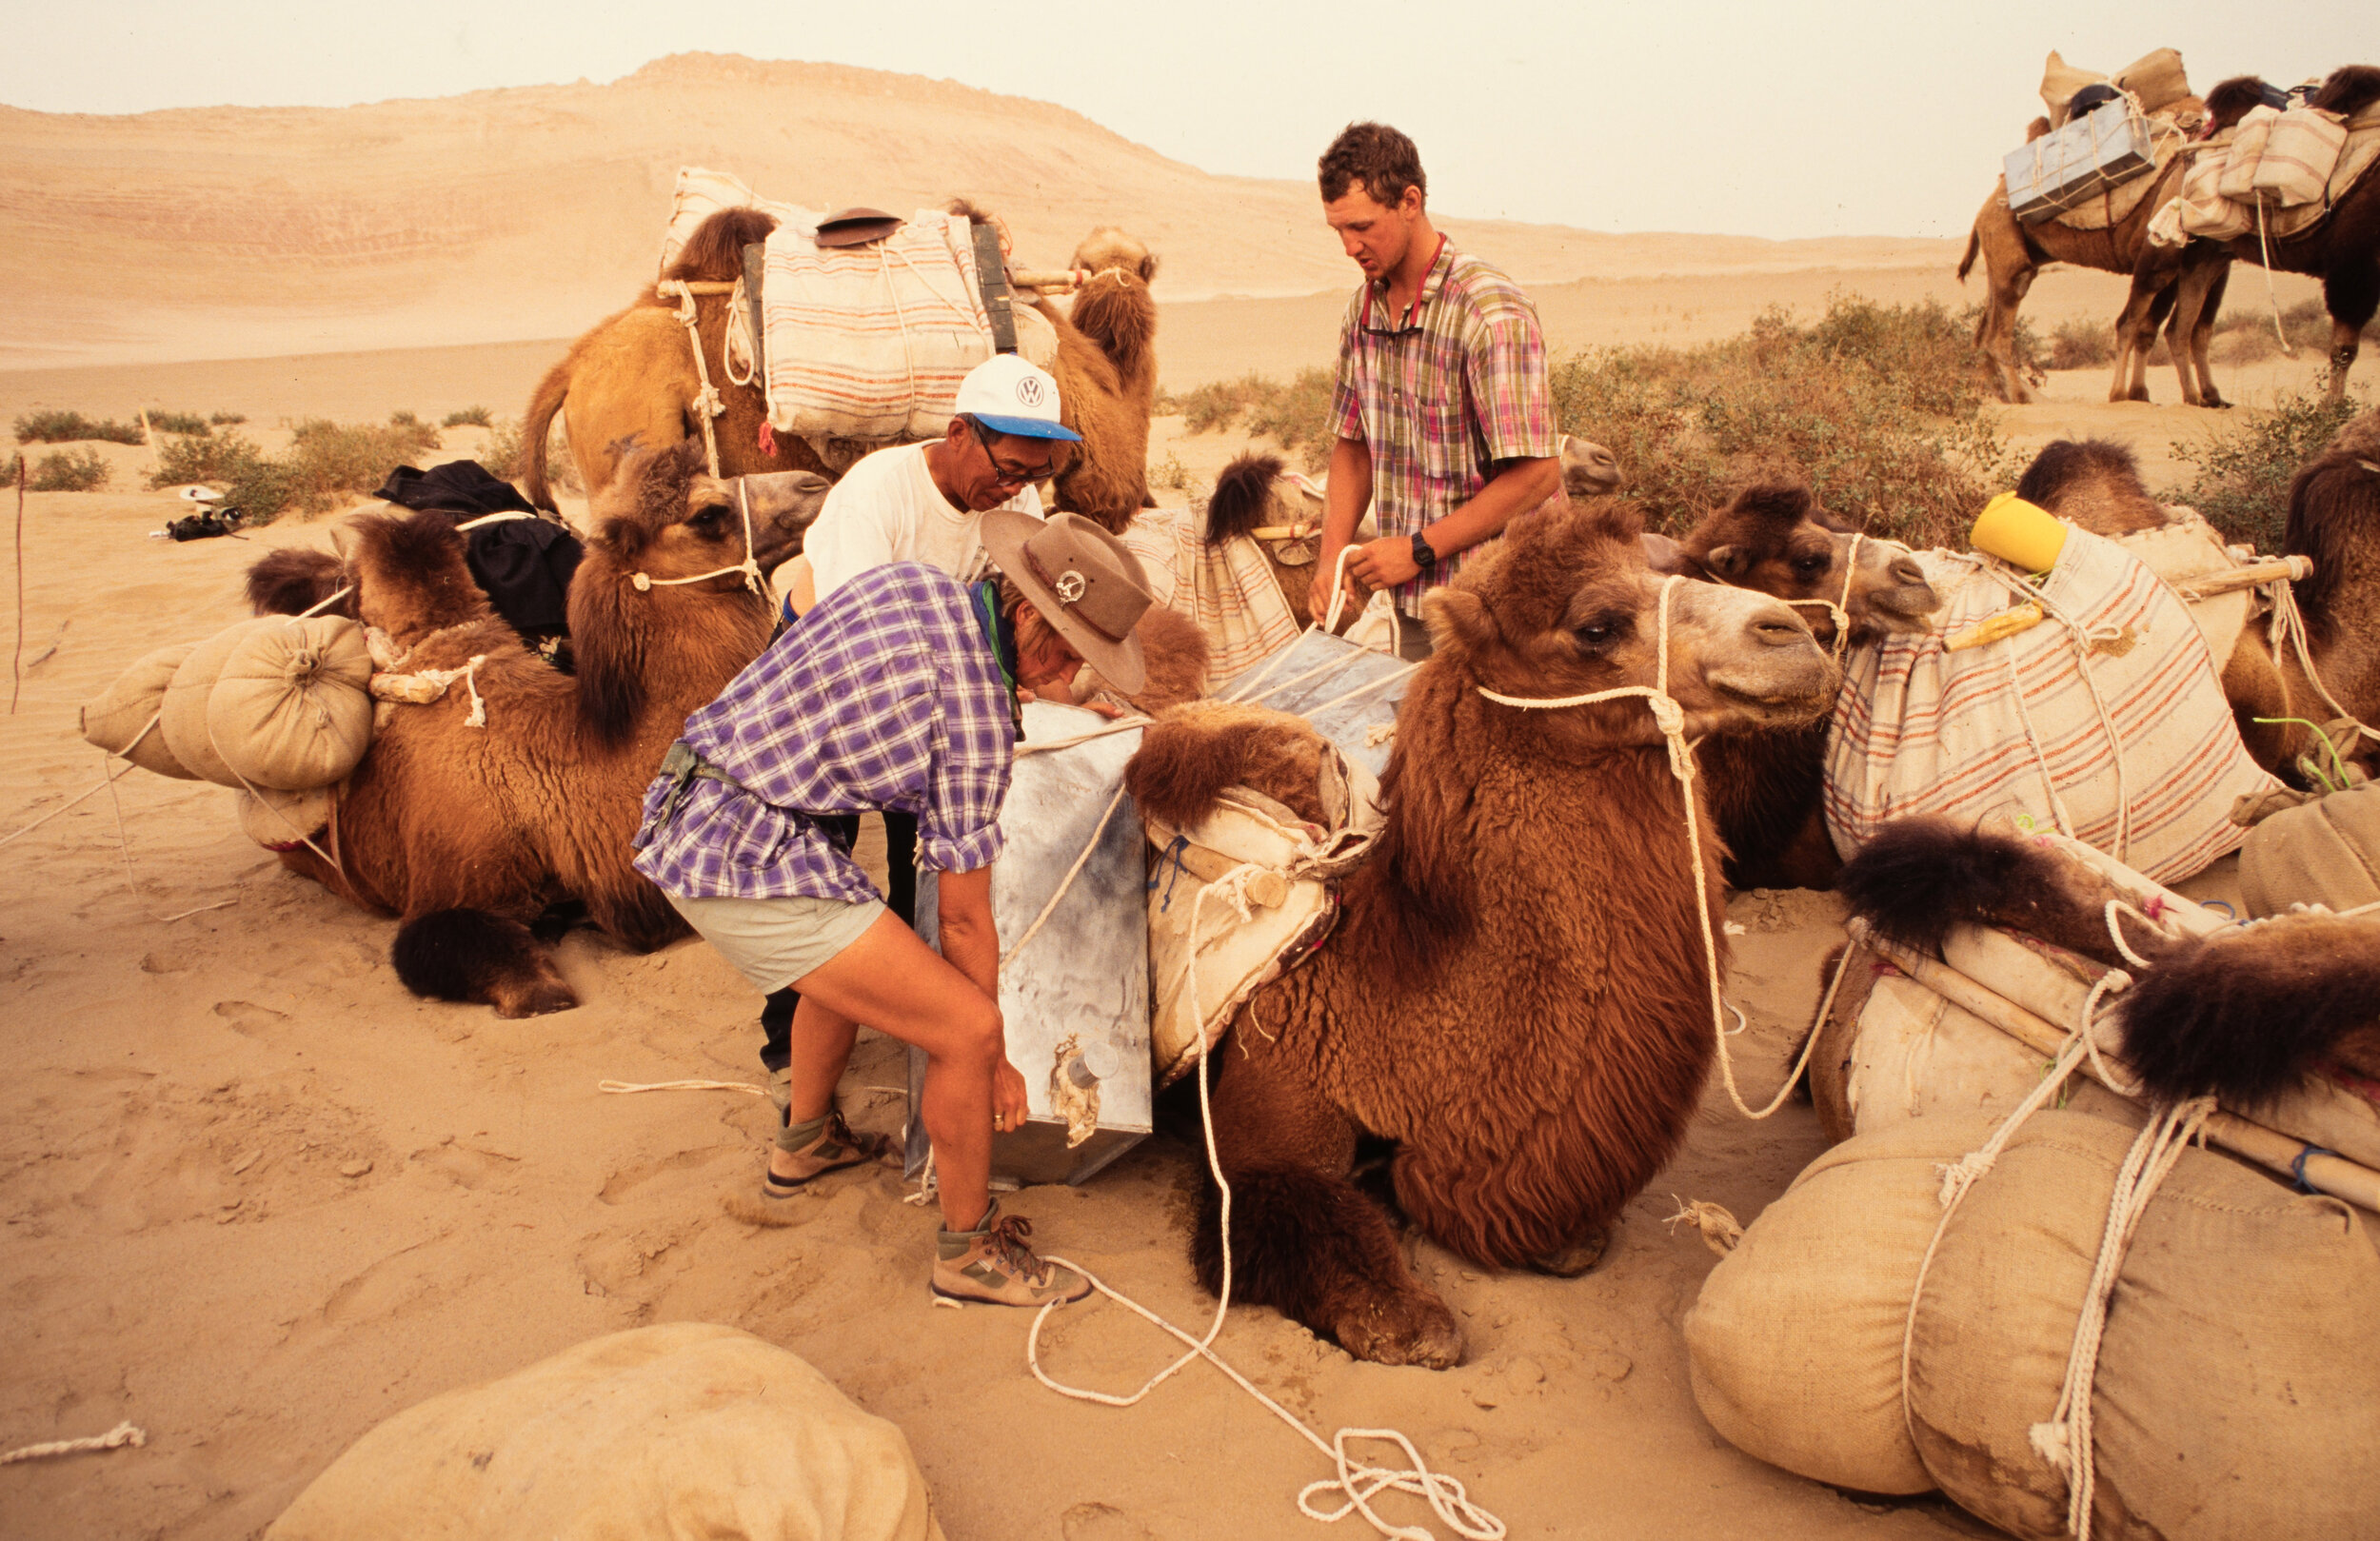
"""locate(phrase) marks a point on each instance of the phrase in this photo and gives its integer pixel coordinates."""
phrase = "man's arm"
(1518, 487)
(1345, 497)
(971, 944)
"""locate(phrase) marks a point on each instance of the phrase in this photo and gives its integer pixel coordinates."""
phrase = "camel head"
(2233, 100)
(1775, 539)
(1256, 491)
(662, 584)
(1566, 605)
(2094, 482)
(1588, 469)
(1109, 248)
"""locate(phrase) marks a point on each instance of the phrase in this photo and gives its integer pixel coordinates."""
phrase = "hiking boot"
(831, 1147)
(993, 1265)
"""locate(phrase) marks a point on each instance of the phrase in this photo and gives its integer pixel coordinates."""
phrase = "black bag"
(526, 565)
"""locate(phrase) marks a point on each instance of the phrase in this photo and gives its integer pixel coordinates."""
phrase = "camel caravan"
(2133, 174)
(1419, 909)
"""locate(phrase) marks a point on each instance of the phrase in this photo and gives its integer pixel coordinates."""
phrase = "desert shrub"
(326, 463)
(185, 458)
(2245, 468)
(468, 417)
(1295, 415)
(177, 423)
(1878, 407)
(68, 428)
(81, 471)
(2081, 344)
(227, 419)
(502, 455)
(11, 469)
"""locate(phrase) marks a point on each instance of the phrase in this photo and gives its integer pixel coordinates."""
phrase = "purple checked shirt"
(887, 695)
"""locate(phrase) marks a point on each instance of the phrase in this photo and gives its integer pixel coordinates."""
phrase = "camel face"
(784, 504)
(663, 517)
(1109, 247)
(1589, 470)
(1773, 538)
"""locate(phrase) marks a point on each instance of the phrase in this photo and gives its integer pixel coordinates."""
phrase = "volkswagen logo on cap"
(1029, 391)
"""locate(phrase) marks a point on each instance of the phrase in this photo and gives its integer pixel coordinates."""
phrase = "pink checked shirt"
(1442, 394)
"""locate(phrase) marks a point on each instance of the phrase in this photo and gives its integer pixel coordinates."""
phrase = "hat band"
(1033, 565)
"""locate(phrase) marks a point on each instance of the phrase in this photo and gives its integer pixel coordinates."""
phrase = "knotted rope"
(1671, 719)
(751, 567)
(707, 403)
(116, 1438)
(2288, 629)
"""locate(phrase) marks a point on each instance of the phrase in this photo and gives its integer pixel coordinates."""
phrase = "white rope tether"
(1671, 719)
(1357, 1482)
(2288, 629)
(116, 1438)
(707, 401)
(631, 1087)
(751, 567)
(1840, 609)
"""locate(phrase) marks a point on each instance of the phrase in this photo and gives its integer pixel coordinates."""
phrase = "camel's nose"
(1782, 629)
(1904, 569)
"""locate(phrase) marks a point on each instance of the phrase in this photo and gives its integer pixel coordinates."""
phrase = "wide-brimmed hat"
(1083, 583)
(856, 226)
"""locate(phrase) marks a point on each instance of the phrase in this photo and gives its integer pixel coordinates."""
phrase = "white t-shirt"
(887, 508)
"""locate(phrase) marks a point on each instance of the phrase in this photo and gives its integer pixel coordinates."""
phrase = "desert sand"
(259, 1197)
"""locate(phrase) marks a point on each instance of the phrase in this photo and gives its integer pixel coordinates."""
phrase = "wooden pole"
(2293, 568)
(16, 664)
(2293, 1158)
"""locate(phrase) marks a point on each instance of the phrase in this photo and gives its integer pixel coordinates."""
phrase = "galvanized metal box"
(2094, 155)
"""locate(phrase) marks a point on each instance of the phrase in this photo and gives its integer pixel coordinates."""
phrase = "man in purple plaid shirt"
(1444, 422)
(887, 695)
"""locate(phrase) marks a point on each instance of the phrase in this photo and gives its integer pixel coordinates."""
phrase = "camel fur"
(1515, 993)
(630, 381)
(467, 834)
(1767, 785)
(2334, 519)
(2342, 248)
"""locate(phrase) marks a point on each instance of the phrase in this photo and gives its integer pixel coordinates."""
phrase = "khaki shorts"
(774, 942)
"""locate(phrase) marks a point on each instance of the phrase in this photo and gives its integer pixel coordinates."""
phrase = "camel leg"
(471, 955)
(2202, 297)
(1999, 333)
(2352, 291)
(1304, 1241)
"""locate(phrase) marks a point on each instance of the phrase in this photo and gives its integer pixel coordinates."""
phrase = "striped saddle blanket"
(2114, 729)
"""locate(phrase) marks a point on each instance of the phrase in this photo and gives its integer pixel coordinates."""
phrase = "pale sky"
(1852, 117)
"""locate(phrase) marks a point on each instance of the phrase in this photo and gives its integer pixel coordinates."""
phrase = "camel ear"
(1451, 612)
(1665, 555)
(1148, 268)
(1728, 560)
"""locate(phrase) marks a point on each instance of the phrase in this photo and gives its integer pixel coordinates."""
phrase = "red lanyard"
(1413, 309)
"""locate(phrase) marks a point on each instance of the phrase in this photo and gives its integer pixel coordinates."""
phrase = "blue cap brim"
(1028, 427)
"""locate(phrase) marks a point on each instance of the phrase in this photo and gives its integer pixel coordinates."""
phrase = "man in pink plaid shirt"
(1444, 424)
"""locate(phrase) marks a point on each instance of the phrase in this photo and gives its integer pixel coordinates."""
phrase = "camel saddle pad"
(2015, 725)
(1241, 898)
(1228, 589)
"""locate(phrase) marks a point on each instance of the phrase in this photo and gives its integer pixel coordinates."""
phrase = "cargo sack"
(1918, 1057)
(2300, 154)
(124, 720)
(2013, 726)
(2093, 155)
(2325, 852)
(2188, 548)
(2156, 78)
(1794, 1346)
(284, 820)
(184, 723)
(1276, 905)
(2059, 83)
(2238, 182)
(688, 1432)
(292, 708)
(2233, 1398)
(2200, 209)
(1229, 590)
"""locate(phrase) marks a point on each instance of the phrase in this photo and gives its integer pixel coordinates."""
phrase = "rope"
(116, 1438)
(631, 1087)
(2272, 300)
(1671, 719)
(707, 403)
(2287, 627)
(1067, 882)
(749, 566)
(332, 599)
(1358, 1483)
(1840, 609)
(739, 330)
(104, 780)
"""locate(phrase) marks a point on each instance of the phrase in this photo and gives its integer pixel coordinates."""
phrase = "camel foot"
(1412, 1328)
(471, 955)
(2215, 400)
(1573, 1258)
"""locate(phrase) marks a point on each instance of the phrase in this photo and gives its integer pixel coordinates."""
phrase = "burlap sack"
(284, 820)
(684, 1433)
(293, 706)
(2323, 852)
(185, 710)
(1920, 1056)
(2156, 77)
(2059, 82)
(119, 721)
(1794, 1345)
(2234, 1397)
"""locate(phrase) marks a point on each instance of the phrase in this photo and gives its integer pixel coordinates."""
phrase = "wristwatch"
(1423, 556)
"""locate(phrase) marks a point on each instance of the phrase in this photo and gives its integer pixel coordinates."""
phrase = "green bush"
(82, 471)
(503, 455)
(1296, 415)
(227, 419)
(1878, 407)
(326, 463)
(2082, 345)
(223, 457)
(177, 423)
(469, 417)
(2245, 468)
(69, 427)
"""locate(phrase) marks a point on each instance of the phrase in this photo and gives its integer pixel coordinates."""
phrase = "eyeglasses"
(1003, 475)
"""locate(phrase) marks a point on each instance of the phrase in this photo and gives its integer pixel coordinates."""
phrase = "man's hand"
(1008, 1107)
(1384, 562)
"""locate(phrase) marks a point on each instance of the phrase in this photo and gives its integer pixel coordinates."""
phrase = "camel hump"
(714, 253)
(294, 579)
(1244, 494)
(1194, 752)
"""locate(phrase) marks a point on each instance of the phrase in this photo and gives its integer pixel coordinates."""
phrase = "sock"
(799, 1137)
(955, 1243)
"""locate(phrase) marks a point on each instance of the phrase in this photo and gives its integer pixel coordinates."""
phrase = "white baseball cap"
(1009, 395)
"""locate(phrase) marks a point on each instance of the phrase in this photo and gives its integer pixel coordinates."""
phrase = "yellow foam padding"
(2018, 532)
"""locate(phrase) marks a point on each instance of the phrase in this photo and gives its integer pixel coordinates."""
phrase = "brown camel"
(467, 834)
(2342, 248)
(2014, 251)
(1256, 496)
(2333, 520)
(1515, 992)
(631, 380)
(1766, 784)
